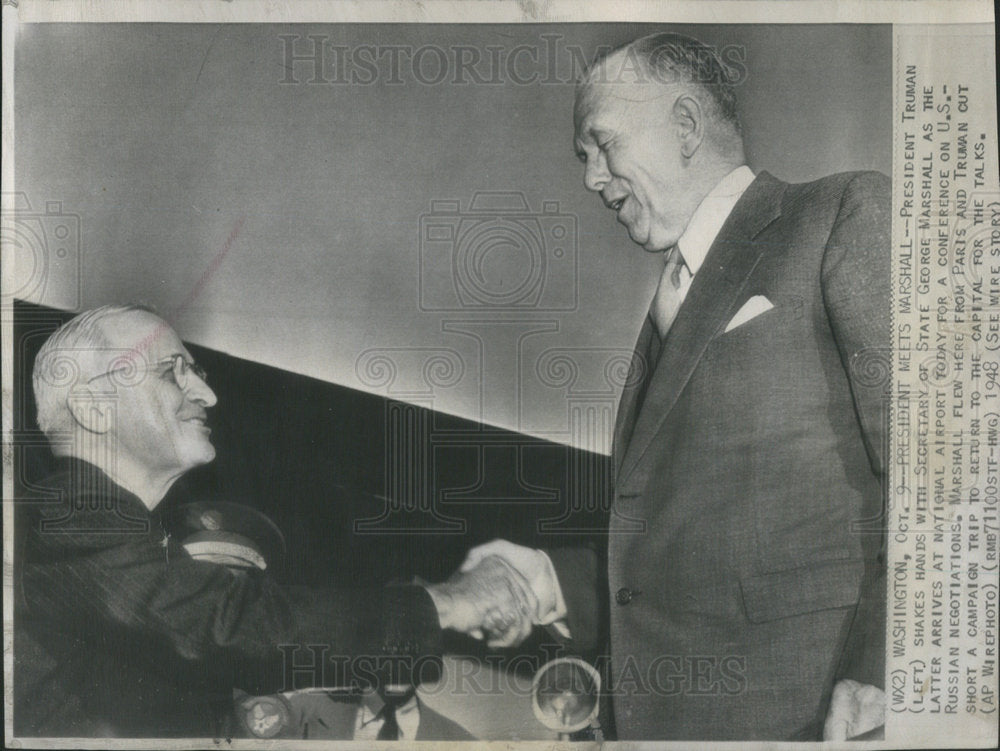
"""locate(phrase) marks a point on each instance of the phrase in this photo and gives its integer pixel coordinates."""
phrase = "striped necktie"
(670, 294)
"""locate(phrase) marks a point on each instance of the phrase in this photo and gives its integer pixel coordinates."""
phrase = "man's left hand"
(855, 708)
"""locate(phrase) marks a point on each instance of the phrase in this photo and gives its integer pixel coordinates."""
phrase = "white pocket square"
(751, 309)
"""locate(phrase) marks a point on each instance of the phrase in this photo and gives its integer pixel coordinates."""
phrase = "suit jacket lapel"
(728, 265)
(639, 377)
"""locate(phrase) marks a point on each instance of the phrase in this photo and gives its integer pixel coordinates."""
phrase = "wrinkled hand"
(491, 598)
(531, 564)
(855, 708)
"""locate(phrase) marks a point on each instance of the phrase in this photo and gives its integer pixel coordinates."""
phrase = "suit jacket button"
(623, 596)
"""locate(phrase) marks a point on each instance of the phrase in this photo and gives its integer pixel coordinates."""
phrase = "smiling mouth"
(617, 205)
(199, 421)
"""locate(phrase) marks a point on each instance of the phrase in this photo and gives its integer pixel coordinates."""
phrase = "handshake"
(500, 592)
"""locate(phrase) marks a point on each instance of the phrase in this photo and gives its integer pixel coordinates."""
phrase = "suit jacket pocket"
(787, 309)
(818, 586)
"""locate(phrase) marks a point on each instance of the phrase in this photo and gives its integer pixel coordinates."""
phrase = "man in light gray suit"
(746, 596)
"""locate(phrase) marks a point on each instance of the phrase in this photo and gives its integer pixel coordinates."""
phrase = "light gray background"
(162, 137)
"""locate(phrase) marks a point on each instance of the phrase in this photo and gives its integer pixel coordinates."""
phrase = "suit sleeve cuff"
(549, 591)
(579, 587)
(411, 631)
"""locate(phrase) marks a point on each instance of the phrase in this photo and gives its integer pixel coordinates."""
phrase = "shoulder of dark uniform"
(62, 518)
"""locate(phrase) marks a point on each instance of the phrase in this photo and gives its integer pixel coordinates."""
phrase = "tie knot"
(675, 265)
(670, 293)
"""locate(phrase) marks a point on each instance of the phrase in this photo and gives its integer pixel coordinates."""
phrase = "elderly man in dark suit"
(121, 631)
(746, 599)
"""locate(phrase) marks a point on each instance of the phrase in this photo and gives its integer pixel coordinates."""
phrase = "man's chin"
(639, 238)
(645, 240)
(203, 455)
(649, 244)
(652, 244)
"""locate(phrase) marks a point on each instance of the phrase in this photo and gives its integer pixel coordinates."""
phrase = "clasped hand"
(488, 597)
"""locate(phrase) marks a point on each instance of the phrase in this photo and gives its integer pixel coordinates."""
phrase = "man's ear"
(89, 412)
(689, 118)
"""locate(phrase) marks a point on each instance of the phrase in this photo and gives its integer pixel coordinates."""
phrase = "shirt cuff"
(549, 591)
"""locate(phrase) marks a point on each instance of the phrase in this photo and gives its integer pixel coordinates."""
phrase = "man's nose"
(595, 174)
(199, 391)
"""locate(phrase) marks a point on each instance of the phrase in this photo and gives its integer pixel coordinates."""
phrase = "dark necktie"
(390, 725)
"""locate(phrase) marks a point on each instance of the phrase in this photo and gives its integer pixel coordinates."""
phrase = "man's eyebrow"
(167, 360)
(591, 134)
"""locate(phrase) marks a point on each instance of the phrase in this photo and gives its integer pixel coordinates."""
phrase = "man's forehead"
(592, 102)
(611, 88)
(144, 335)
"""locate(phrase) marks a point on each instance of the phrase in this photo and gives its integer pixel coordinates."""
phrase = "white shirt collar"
(711, 214)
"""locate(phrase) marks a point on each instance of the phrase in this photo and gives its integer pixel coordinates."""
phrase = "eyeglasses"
(177, 369)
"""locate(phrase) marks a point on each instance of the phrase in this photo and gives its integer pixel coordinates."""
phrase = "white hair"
(58, 368)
